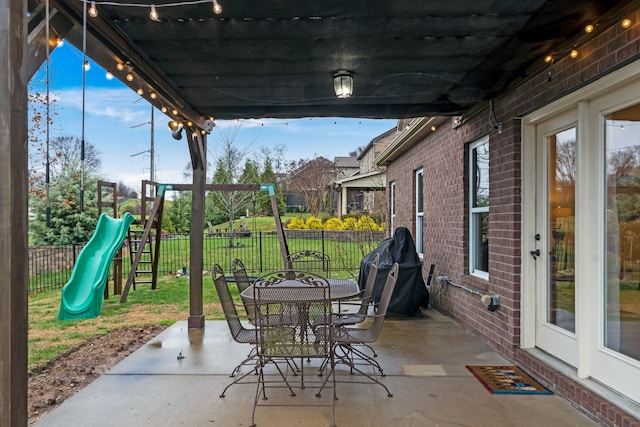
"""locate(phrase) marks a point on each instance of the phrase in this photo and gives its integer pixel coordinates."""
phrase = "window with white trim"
(419, 210)
(392, 204)
(479, 208)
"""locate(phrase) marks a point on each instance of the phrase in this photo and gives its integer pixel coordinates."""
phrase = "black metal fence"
(51, 267)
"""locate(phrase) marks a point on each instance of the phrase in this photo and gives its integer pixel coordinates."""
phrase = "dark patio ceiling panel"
(273, 58)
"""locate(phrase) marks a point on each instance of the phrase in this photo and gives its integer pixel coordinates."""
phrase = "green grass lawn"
(50, 337)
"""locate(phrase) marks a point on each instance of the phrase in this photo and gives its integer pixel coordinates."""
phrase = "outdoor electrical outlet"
(486, 300)
(494, 303)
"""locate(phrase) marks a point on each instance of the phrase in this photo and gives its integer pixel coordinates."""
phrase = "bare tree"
(312, 179)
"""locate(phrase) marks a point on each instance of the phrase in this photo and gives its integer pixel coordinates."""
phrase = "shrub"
(314, 223)
(333, 224)
(297, 224)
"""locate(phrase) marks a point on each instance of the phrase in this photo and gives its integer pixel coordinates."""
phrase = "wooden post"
(198, 150)
(13, 215)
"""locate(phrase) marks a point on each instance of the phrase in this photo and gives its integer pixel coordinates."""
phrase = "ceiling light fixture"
(153, 14)
(93, 10)
(217, 7)
(343, 84)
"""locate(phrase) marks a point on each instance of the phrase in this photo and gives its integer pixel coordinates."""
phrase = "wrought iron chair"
(346, 315)
(280, 297)
(312, 261)
(239, 332)
(242, 282)
(345, 337)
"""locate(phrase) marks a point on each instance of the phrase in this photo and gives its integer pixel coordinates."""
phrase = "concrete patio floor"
(424, 361)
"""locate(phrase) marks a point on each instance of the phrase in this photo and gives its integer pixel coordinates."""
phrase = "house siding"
(442, 155)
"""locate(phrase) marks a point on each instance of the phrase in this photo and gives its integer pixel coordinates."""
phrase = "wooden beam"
(198, 144)
(13, 215)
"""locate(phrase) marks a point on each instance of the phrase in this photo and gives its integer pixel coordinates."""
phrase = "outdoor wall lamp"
(343, 84)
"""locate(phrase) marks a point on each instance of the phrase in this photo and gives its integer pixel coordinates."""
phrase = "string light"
(588, 29)
(87, 66)
(153, 95)
(140, 91)
(217, 8)
(153, 14)
(163, 109)
(59, 42)
(129, 77)
(93, 10)
(433, 128)
(120, 66)
(174, 112)
(109, 75)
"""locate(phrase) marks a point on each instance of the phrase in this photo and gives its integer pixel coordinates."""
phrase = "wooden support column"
(198, 150)
(13, 215)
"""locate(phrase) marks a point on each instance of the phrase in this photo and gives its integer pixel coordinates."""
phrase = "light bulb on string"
(59, 42)
(86, 65)
(548, 59)
(588, 28)
(120, 66)
(109, 75)
(93, 10)
(153, 14)
(163, 109)
(217, 7)
(574, 53)
(153, 95)
(140, 91)
(129, 77)
(626, 23)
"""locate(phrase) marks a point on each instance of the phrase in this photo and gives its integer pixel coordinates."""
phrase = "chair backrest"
(228, 304)
(385, 298)
(371, 281)
(286, 303)
(312, 261)
(240, 275)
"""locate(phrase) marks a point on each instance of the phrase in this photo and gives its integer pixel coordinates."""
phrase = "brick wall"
(442, 154)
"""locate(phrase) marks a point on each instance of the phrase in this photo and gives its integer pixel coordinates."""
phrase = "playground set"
(83, 294)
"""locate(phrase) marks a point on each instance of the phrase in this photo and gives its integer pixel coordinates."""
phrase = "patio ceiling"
(277, 58)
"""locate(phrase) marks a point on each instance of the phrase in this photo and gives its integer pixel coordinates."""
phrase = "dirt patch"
(53, 383)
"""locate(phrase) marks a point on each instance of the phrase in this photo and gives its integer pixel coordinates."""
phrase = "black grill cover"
(410, 294)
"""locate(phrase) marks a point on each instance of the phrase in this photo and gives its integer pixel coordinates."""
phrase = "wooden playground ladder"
(146, 242)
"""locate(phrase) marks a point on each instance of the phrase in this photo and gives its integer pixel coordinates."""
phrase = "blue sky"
(117, 123)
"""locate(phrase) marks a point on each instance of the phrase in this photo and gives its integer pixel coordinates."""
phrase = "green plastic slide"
(82, 295)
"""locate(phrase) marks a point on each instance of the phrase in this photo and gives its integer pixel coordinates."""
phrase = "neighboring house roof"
(376, 180)
(346, 162)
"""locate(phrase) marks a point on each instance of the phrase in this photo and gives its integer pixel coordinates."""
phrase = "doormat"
(506, 380)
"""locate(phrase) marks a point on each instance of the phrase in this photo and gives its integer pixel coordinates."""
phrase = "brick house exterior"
(609, 60)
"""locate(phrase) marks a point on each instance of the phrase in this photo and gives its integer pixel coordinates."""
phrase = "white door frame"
(593, 359)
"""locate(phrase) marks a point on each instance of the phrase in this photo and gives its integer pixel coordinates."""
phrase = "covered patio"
(275, 60)
(423, 358)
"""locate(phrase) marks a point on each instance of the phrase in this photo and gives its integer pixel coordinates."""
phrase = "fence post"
(322, 240)
(260, 251)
